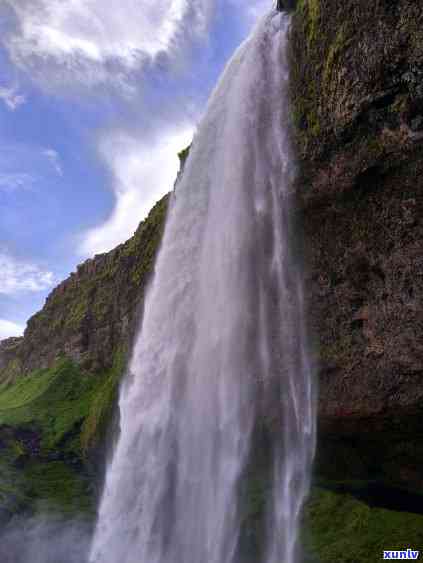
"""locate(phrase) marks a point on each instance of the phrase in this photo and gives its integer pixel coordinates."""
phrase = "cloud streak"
(17, 276)
(45, 540)
(141, 175)
(11, 97)
(54, 158)
(15, 181)
(129, 48)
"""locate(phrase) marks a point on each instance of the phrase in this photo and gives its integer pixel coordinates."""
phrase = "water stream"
(222, 341)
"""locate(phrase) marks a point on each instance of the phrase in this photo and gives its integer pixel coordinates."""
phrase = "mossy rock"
(92, 314)
(356, 75)
(341, 529)
(51, 421)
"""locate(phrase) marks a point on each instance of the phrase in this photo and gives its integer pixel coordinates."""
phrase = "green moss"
(44, 486)
(183, 154)
(150, 232)
(94, 425)
(25, 390)
(10, 372)
(337, 350)
(341, 529)
(48, 421)
(400, 104)
(313, 123)
(51, 402)
(336, 48)
(55, 486)
(59, 415)
(314, 10)
(101, 307)
(77, 313)
(310, 11)
(373, 147)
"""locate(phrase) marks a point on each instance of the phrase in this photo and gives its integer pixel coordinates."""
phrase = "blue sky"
(96, 99)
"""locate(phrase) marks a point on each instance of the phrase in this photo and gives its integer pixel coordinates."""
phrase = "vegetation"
(51, 403)
(183, 154)
(340, 529)
(101, 406)
(53, 421)
(49, 421)
(147, 238)
(310, 9)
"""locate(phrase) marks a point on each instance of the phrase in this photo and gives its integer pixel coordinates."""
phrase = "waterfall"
(222, 342)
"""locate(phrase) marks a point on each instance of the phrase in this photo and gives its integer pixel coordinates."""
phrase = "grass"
(52, 402)
(183, 154)
(48, 421)
(54, 486)
(25, 390)
(95, 424)
(310, 8)
(342, 529)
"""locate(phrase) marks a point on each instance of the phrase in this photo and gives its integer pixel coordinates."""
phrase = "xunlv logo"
(405, 554)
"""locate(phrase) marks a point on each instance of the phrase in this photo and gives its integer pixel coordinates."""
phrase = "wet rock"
(356, 94)
(286, 5)
(417, 123)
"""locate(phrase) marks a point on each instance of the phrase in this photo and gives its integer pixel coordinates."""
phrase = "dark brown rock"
(357, 76)
(285, 5)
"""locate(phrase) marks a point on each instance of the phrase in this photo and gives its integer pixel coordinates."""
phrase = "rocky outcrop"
(58, 384)
(285, 5)
(357, 94)
(10, 366)
(93, 313)
(357, 89)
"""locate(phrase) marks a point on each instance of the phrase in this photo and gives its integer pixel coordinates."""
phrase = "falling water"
(222, 339)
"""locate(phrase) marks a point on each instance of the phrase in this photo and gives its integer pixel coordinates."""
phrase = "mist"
(45, 540)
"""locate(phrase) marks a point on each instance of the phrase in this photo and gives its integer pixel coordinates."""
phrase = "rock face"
(285, 5)
(357, 93)
(357, 85)
(92, 314)
(58, 384)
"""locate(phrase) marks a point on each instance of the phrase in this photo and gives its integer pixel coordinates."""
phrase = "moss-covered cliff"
(357, 91)
(357, 99)
(90, 315)
(58, 383)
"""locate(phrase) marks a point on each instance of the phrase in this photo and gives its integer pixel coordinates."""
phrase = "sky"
(97, 97)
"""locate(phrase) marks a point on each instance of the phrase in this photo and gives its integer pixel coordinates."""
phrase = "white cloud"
(141, 176)
(14, 181)
(54, 158)
(19, 276)
(11, 97)
(250, 11)
(88, 41)
(9, 328)
(256, 8)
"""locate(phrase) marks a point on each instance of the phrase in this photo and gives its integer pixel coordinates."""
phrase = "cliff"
(357, 92)
(90, 315)
(357, 97)
(58, 383)
(357, 100)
